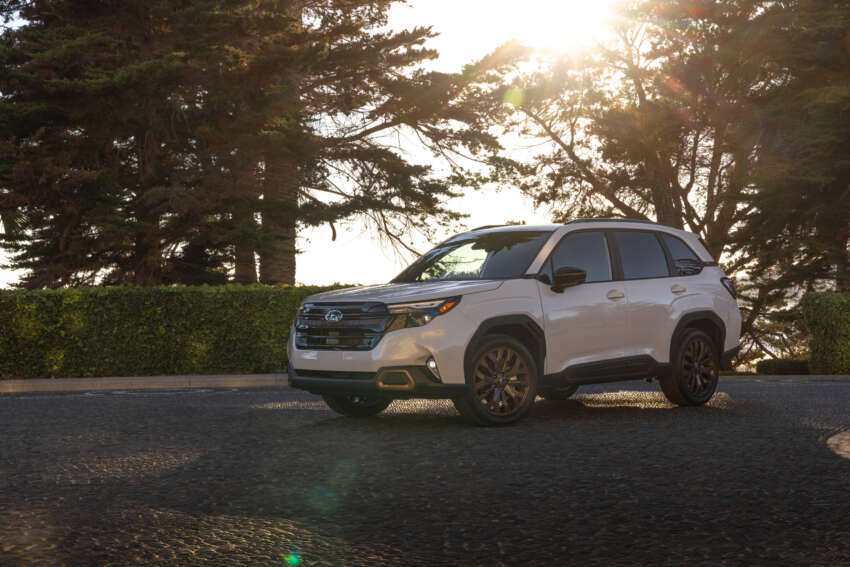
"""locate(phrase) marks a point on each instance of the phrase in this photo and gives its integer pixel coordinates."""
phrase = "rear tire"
(501, 382)
(357, 406)
(695, 370)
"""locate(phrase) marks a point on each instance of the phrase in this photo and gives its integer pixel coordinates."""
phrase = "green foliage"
(828, 317)
(132, 331)
(729, 118)
(798, 224)
(142, 141)
(773, 366)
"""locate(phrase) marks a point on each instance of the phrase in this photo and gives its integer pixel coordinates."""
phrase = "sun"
(470, 29)
(561, 25)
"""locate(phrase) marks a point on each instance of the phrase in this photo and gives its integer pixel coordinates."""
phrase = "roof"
(641, 221)
(510, 227)
(692, 239)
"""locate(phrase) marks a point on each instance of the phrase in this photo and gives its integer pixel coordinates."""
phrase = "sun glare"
(561, 25)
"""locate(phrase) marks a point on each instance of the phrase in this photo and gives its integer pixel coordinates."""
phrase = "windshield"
(493, 255)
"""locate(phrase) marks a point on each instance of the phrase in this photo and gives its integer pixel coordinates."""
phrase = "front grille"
(360, 328)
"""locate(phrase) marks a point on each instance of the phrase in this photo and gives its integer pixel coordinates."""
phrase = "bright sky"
(469, 29)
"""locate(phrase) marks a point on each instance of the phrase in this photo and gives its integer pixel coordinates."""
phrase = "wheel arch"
(521, 327)
(706, 321)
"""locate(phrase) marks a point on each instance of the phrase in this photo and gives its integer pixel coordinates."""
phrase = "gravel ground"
(615, 476)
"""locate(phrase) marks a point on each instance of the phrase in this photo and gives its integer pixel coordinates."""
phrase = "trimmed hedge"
(775, 366)
(827, 315)
(129, 331)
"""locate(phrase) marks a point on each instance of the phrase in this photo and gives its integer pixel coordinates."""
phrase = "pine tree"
(138, 131)
(798, 226)
(650, 124)
(727, 118)
(94, 144)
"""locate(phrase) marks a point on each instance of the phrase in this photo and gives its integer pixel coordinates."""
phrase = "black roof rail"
(642, 221)
(486, 226)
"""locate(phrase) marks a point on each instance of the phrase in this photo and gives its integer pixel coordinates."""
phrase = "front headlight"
(419, 313)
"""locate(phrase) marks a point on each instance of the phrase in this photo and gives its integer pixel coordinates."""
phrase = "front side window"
(492, 255)
(641, 255)
(586, 251)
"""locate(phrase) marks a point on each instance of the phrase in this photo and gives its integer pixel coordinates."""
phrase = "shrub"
(775, 366)
(129, 331)
(827, 315)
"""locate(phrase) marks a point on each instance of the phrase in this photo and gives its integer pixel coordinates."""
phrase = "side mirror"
(567, 277)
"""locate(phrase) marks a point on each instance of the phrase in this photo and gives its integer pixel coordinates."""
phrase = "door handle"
(677, 289)
(615, 295)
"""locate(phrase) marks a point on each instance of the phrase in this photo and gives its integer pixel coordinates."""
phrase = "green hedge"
(773, 366)
(128, 331)
(827, 315)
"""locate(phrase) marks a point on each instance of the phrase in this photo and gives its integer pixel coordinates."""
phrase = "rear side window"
(685, 261)
(641, 255)
(587, 251)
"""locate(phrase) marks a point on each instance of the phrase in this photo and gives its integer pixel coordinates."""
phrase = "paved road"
(270, 477)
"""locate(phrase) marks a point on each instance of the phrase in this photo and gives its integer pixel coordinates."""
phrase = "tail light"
(729, 284)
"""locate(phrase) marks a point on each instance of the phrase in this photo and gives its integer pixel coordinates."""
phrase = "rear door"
(587, 322)
(651, 291)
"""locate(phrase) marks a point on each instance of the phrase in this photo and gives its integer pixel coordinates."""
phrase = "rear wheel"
(695, 370)
(357, 406)
(501, 383)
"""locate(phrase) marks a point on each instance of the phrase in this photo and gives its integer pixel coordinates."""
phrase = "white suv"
(494, 317)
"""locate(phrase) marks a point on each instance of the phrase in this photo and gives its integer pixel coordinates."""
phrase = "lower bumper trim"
(341, 383)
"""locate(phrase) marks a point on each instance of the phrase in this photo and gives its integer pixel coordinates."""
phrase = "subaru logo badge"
(334, 316)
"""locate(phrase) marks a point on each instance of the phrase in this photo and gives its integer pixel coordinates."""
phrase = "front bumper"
(444, 339)
(397, 382)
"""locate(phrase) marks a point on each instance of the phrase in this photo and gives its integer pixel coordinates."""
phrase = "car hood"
(404, 292)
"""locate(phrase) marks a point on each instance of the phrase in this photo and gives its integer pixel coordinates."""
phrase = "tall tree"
(798, 225)
(707, 116)
(95, 151)
(648, 124)
(135, 133)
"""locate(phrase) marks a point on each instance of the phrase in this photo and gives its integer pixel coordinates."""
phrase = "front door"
(587, 322)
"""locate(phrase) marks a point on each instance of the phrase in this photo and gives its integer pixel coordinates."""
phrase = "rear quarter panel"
(705, 293)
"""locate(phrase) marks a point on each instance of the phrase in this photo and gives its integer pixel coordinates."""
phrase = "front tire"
(695, 370)
(357, 406)
(501, 382)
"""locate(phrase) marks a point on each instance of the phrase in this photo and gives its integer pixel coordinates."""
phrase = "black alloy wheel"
(502, 382)
(695, 372)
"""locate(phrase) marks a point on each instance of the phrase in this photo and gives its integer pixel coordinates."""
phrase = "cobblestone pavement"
(615, 476)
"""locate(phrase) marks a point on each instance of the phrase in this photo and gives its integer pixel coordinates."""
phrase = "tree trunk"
(277, 255)
(147, 264)
(246, 265)
(280, 196)
(841, 259)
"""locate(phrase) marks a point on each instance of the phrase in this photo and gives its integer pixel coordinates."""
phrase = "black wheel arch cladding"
(521, 327)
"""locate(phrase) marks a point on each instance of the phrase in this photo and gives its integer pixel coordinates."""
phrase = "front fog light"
(432, 367)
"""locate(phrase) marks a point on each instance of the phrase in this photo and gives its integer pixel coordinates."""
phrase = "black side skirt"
(614, 370)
